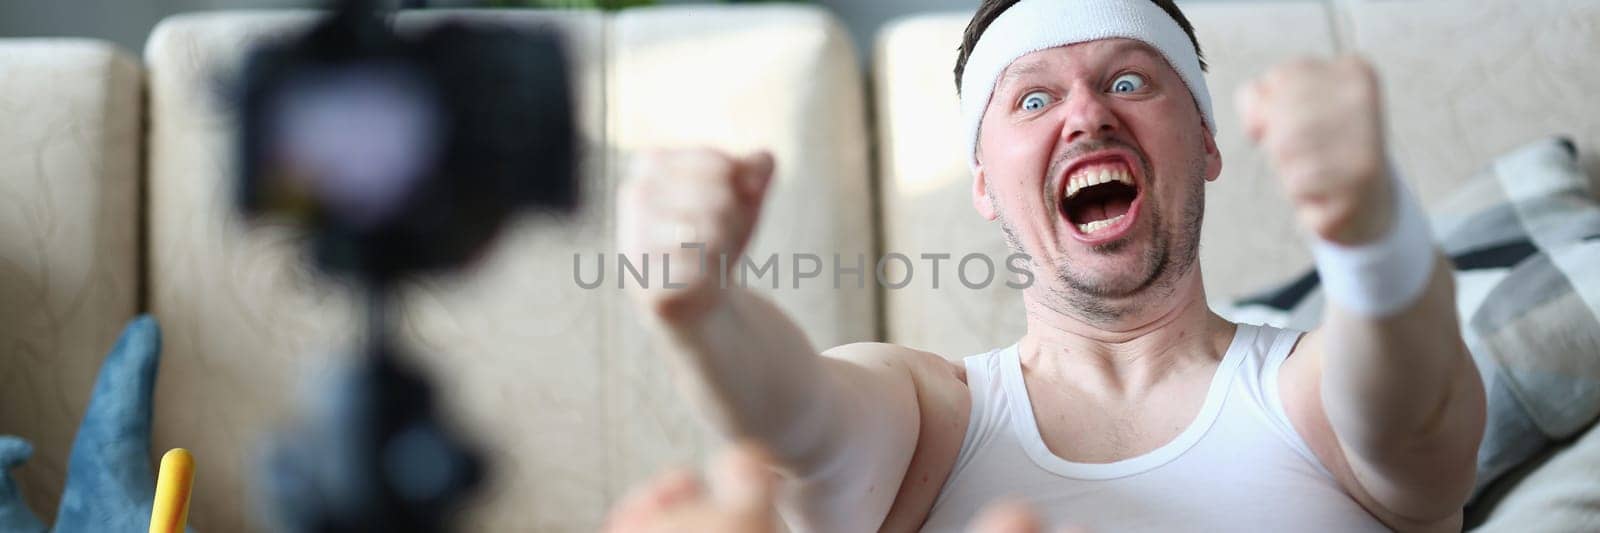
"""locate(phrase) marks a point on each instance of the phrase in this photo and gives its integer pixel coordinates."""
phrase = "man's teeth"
(1091, 227)
(1096, 176)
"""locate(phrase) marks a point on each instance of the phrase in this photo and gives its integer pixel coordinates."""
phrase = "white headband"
(1034, 25)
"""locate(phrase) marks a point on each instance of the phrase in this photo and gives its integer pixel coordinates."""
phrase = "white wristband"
(1380, 278)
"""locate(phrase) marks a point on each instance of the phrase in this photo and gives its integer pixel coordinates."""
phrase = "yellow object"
(173, 485)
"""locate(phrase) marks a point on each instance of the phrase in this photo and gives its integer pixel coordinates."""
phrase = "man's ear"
(1213, 156)
(980, 194)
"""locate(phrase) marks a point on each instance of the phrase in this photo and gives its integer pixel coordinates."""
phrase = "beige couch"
(558, 381)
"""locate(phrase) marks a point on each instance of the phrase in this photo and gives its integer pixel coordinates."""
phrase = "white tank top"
(1240, 466)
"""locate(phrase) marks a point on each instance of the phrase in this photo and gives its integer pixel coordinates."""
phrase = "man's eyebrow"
(1137, 47)
(1023, 69)
(1018, 70)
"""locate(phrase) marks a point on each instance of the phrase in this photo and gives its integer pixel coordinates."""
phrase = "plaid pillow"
(1524, 235)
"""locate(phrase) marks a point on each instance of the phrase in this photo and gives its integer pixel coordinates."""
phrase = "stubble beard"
(1167, 260)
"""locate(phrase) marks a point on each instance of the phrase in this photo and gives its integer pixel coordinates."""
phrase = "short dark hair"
(988, 10)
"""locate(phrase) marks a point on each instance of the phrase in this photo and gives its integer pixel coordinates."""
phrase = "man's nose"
(1089, 116)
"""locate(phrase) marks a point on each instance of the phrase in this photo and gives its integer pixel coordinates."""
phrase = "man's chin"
(1122, 274)
(1111, 286)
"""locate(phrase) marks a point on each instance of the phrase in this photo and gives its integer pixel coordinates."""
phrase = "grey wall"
(123, 21)
(864, 17)
(127, 22)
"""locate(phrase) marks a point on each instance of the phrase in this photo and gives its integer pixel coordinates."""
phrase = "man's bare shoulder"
(924, 366)
(944, 404)
(939, 382)
(1300, 386)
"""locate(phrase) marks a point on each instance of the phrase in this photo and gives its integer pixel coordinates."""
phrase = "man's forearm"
(1391, 380)
(1404, 398)
(840, 427)
(751, 371)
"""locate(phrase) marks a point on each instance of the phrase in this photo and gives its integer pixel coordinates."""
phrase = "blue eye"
(1127, 83)
(1035, 101)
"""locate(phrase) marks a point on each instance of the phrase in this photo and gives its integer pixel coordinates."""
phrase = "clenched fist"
(1321, 126)
(683, 211)
(736, 497)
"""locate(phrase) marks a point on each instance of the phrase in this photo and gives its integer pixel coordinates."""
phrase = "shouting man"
(1128, 405)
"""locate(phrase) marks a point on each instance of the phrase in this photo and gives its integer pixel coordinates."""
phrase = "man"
(1128, 404)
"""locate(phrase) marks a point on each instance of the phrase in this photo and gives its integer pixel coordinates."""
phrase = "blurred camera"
(405, 154)
(402, 155)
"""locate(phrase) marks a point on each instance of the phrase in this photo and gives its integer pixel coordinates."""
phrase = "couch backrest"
(70, 115)
(1463, 81)
(557, 380)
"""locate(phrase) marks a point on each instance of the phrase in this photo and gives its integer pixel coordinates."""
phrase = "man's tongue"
(1101, 202)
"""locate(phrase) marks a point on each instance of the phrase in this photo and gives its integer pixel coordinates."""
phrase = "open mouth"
(1099, 195)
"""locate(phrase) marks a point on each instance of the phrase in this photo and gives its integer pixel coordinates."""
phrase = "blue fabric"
(110, 482)
(14, 514)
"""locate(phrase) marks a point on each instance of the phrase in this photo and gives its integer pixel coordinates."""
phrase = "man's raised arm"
(845, 428)
(1385, 391)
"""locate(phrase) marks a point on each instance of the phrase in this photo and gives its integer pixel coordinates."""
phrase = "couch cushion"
(555, 380)
(1556, 493)
(925, 182)
(69, 272)
(1465, 81)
